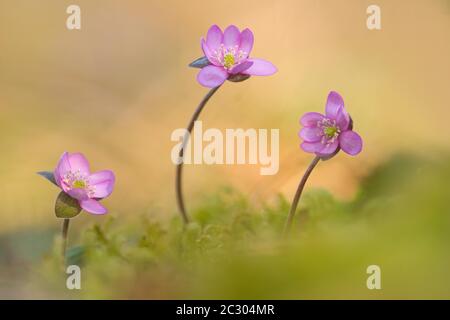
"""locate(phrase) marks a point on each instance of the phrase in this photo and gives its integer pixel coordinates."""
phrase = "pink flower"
(326, 134)
(228, 55)
(73, 176)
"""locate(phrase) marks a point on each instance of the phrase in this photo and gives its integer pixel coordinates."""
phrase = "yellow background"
(116, 89)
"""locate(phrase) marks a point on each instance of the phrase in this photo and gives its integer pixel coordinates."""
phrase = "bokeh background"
(117, 88)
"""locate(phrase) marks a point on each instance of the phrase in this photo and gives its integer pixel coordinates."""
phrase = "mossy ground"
(400, 220)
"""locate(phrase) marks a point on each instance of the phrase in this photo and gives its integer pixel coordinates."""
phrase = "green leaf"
(66, 206)
(238, 77)
(200, 63)
(49, 176)
(75, 255)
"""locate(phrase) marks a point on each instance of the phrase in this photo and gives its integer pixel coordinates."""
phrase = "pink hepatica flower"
(73, 176)
(326, 134)
(228, 54)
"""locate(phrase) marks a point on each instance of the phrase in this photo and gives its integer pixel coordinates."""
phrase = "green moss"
(233, 248)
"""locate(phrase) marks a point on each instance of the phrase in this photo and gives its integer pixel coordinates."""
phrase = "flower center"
(76, 180)
(228, 60)
(229, 57)
(79, 184)
(330, 132)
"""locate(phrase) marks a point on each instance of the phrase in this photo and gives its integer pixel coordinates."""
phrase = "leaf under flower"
(49, 176)
(200, 63)
(238, 77)
(66, 207)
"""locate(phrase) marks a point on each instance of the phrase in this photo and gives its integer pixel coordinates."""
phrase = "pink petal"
(79, 162)
(246, 42)
(103, 183)
(78, 193)
(329, 148)
(93, 206)
(312, 147)
(62, 168)
(214, 38)
(343, 119)
(241, 67)
(311, 134)
(310, 119)
(212, 76)
(334, 104)
(350, 142)
(260, 67)
(231, 37)
(208, 53)
(206, 50)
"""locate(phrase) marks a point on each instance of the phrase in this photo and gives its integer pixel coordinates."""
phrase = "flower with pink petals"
(228, 57)
(73, 176)
(326, 134)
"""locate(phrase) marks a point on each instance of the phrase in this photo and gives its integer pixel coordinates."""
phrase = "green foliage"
(75, 256)
(400, 220)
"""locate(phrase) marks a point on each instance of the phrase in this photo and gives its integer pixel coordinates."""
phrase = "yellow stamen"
(228, 60)
(79, 184)
(330, 131)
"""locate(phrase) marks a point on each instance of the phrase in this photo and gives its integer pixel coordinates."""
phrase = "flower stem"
(298, 194)
(179, 169)
(65, 231)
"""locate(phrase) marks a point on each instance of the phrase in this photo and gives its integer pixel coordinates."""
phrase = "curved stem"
(298, 194)
(65, 231)
(179, 170)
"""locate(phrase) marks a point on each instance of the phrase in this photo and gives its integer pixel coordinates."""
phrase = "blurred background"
(116, 89)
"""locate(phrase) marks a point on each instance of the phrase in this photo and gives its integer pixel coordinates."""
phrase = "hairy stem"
(65, 231)
(179, 169)
(298, 194)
